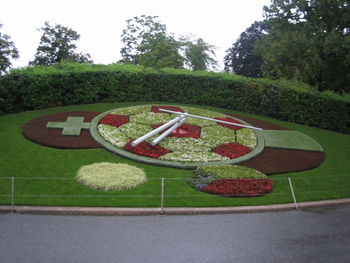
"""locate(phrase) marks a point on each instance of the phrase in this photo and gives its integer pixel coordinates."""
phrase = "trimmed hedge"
(66, 84)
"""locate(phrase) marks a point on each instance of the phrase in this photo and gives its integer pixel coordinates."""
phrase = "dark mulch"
(275, 161)
(259, 123)
(35, 130)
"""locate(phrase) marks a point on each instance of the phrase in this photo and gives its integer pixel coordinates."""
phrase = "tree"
(161, 52)
(147, 43)
(56, 45)
(309, 40)
(7, 51)
(198, 54)
(240, 58)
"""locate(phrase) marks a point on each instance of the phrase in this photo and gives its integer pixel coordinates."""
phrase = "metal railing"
(17, 189)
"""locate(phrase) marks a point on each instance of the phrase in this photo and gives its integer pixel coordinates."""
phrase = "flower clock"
(209, 142)
(194, 143)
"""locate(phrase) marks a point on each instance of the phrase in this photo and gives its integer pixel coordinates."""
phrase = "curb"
(53, 210)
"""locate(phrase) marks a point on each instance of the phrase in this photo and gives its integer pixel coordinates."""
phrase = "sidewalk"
(168, 211)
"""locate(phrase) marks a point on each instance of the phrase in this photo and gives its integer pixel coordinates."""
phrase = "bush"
(65, 84)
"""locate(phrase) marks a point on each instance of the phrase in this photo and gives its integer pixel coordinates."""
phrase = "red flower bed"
(146, 149)
(239, 187)
(185, 130)
(232, 127)
(114, 120)
(155, 109)
(232, 150)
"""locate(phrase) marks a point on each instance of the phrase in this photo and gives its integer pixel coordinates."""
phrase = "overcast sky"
(100, 22)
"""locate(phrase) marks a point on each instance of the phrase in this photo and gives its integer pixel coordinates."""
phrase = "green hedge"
(66, 84)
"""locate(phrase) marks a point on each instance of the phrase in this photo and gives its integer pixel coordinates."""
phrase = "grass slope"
(24, 160)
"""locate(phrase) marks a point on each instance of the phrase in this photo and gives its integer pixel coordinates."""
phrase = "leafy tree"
(161, 52)
(198, 54)
(309, 40)
(7, 51)
(147, 43)
(56, 46)
(240, 58)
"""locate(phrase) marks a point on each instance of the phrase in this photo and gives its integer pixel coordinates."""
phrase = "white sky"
(100, 23)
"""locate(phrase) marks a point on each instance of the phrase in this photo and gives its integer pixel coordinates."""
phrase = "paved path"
(314, 235)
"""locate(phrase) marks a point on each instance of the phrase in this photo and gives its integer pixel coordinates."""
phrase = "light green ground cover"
(25, 160)
(111, 176)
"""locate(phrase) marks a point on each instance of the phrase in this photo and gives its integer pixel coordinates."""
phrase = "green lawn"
(24, 160)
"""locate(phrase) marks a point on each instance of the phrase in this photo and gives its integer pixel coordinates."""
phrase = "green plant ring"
(174, 164)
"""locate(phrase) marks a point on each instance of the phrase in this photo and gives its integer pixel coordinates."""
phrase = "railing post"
(12, 194)
(162, 198)
(292, 190)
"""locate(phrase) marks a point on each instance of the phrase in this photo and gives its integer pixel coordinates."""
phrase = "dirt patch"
(35, 130)
(275, 161)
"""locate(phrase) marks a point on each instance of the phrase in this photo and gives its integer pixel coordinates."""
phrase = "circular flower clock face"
(195, 143)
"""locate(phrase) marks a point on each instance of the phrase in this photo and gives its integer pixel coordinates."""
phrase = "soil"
(35, 130)
(276, 161)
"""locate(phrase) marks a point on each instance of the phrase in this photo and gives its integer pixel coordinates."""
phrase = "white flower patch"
(150, 118)
(113, 135)
(185, 145)
(202, 112)
(193, 157)
(246, 137)
(135, 130)
(132, 110)
(111, 176)
(216, 135)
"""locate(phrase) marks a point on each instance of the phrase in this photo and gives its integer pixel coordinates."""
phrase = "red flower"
(232, 150)
(232, 127)
(239, 187)
(155, 109)
(185, 130)
(114, 120)
(146, 149)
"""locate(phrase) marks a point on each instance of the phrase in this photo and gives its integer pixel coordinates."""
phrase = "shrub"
(65, 84)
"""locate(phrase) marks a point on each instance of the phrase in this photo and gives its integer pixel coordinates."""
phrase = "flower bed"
(196, 140)
(155, 109)
(239, 187)
(232, 150)
(146, 149)
(111, 176)
(231, 181)
(114, 120)
(186, 130)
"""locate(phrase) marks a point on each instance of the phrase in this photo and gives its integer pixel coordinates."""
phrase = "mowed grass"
(54, 171)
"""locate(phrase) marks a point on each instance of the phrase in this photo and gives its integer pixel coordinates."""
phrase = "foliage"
(147, 43)
(240, 58)
(231, 180)
(111, 176)
(56, 46)
(309, 40)
(228, 172)
(7, 51)
(198, 54)
(65, 84)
